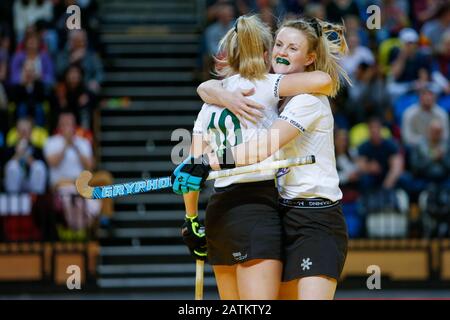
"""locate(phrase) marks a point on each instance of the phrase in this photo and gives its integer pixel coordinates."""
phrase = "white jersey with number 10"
(221, 128)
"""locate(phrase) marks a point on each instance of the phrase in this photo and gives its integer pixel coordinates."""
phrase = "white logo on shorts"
(239, 256)
(306, 264)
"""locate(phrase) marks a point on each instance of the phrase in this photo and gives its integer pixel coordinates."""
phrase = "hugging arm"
(261, 148)
(299, 115)
(212, 92)
(315, 82)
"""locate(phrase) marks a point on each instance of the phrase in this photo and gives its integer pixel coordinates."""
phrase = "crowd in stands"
(392, 124)
(50, 79)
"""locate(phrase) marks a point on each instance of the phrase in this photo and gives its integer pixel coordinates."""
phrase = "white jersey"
(312, 116)
(221, 128)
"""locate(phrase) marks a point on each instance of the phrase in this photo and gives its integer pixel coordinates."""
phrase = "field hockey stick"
(199, 276)
(141, 186)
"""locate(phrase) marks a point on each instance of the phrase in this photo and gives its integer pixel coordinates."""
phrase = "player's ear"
(267, 58)
(310, 58)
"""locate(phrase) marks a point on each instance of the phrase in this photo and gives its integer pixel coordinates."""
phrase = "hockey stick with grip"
(141, 186)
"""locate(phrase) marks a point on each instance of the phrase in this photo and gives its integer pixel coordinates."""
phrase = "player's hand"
(194, 237)
(190, 175)
(242, 107)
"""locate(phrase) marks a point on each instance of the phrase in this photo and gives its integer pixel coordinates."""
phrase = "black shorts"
(315, 242)
(243, 223)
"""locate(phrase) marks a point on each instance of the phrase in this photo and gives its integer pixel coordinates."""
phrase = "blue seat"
(354, 220)
(444, 102)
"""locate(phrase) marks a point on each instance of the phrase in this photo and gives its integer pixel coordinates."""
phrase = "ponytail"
(243, 47)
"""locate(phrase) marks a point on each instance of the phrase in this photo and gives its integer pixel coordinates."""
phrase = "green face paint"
(282, 61)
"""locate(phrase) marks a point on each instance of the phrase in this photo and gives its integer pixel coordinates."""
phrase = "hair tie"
(316, 25)
(235, 26)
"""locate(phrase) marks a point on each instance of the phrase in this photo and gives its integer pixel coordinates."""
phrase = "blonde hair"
(243, 48)
(328, 51)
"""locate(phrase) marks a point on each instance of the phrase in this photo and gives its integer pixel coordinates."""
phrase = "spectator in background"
(48, 36)
(316, 10)
(4, 60)
(215, 32)
(89, 20)
(379, 160)
(418, 117)
(77, 52)
(340, 114)
(430, 158)
(394, 17)
(43, 65)
(434, 29)
(410, 68)
(33, 29)
(59, 21)
(424, 10)
(214, 7)
(441, 65)
(29, 95)
(367, 96)
(338, 9)
(353, 25)
(346, 165)
(25, 169)
(349, 175)
(39, 136)
(267, 15)
(27, 12)
(272, 12)
(294, 7)
(67, 156)
(75, 97)
(356, 55)
(66, 153)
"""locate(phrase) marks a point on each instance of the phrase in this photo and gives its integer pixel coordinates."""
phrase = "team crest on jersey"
(283, 171)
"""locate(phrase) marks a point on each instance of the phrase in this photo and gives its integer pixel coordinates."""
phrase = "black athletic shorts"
(315, 241)
(243, 223)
